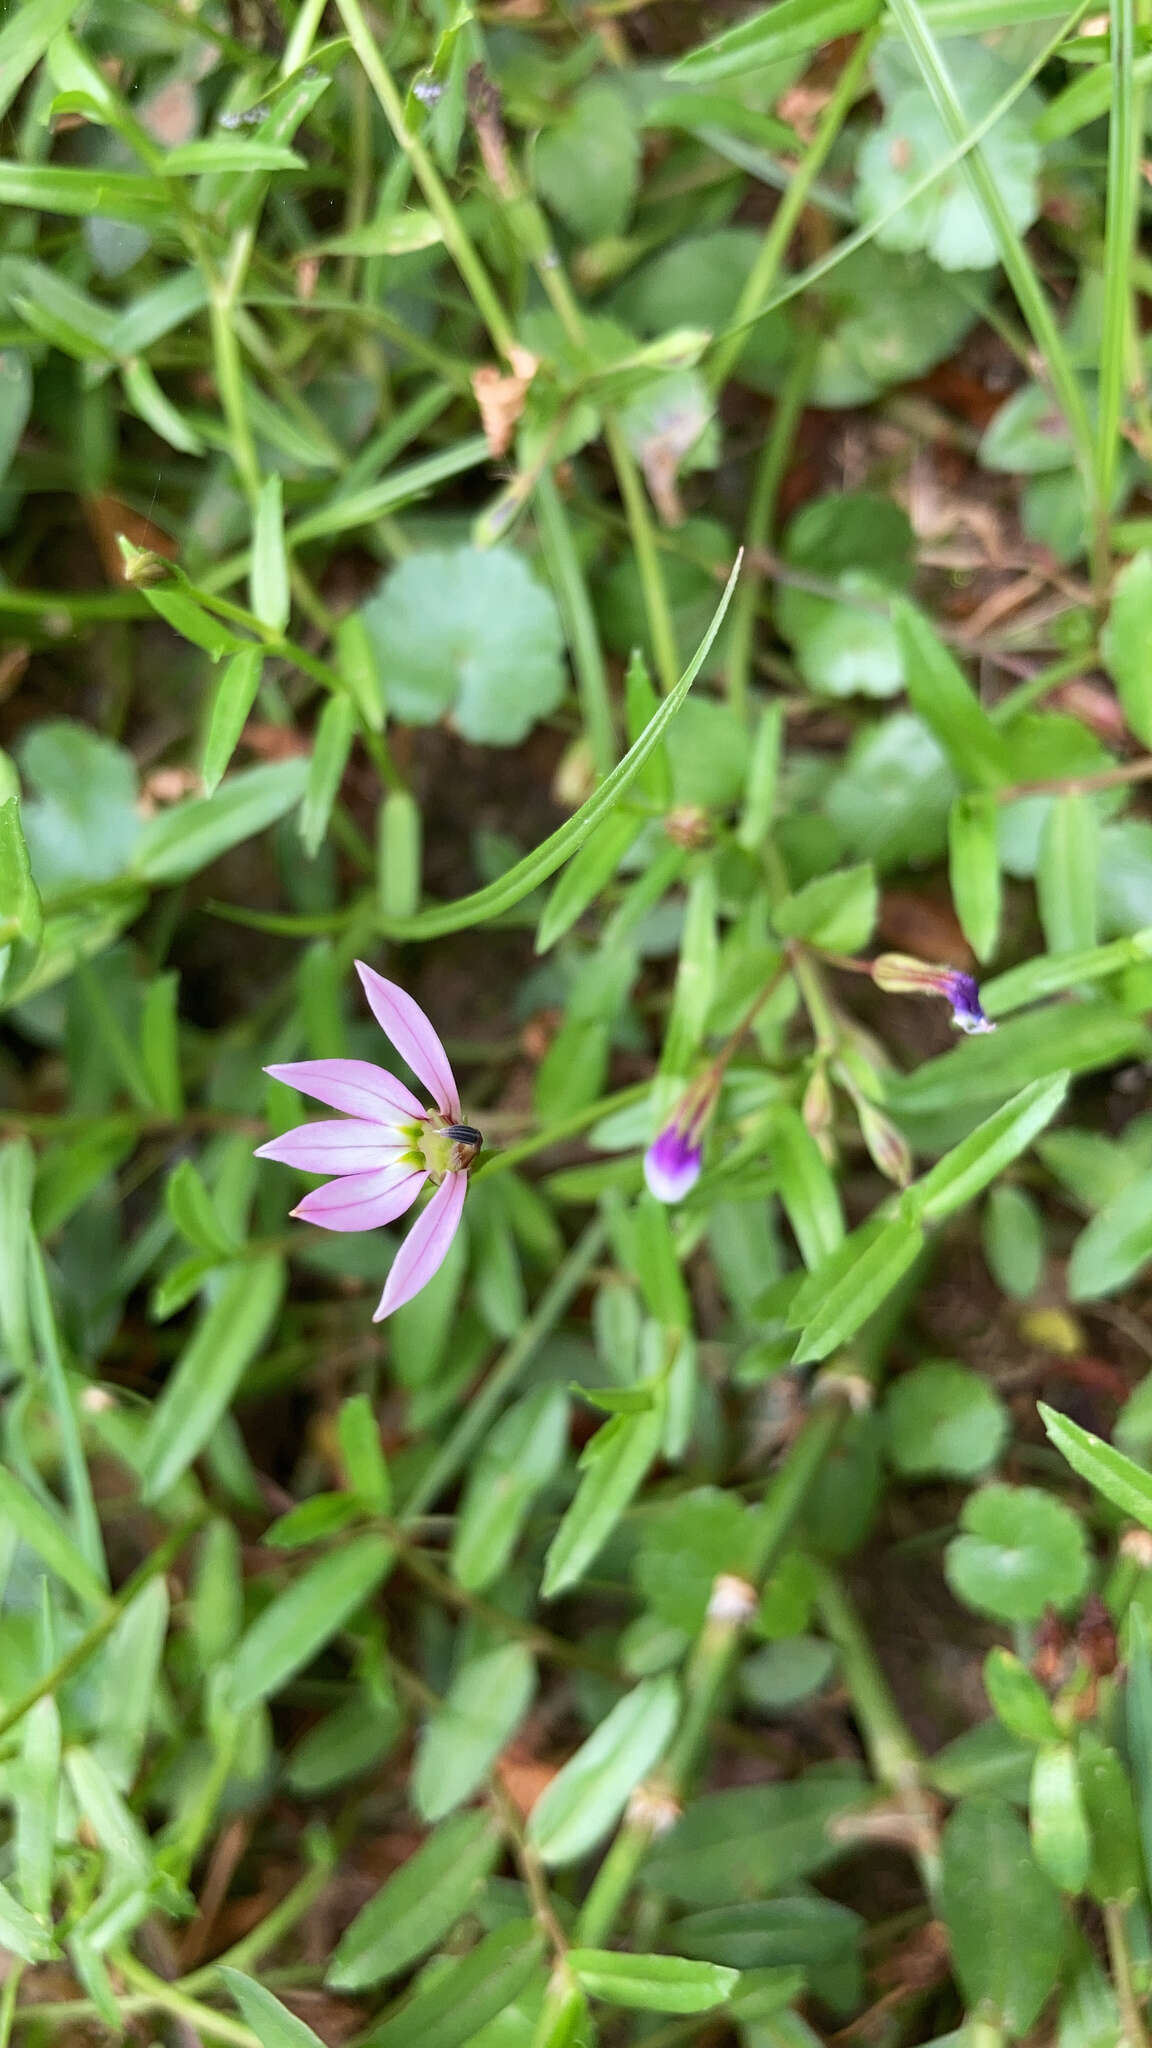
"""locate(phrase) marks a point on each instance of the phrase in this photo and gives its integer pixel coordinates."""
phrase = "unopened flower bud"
(816, 1108)
(900, 974)
(886, 1145)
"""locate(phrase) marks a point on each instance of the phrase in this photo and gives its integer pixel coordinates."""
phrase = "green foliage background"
(619, 514)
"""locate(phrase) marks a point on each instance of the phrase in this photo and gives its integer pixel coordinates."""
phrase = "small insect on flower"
(899, 974)
(386, 1144)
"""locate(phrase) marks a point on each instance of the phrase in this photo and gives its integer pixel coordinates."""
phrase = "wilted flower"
(386, 1144)
(673, 1159)
(899, 974)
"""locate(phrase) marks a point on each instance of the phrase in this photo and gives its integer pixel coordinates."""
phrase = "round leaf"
(1022, 1550)
(468, 632)
(943, 1418)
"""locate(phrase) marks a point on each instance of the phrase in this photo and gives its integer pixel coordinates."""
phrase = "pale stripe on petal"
(354, 1086)
(362, 1201)
(425, 1248)
(337, 1145)
(405, 1024)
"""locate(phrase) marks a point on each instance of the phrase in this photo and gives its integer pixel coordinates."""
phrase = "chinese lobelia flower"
(674, 1159)
(899, 974)
(386, 1144)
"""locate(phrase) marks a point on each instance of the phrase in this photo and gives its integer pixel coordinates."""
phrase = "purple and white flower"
(385, 1145)
(673, 1160)
(900, 974)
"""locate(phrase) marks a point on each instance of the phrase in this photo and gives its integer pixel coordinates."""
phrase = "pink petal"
(355, 1086)
(339, 1145)
(425, 1248)
(363, 1201)
(404, 1022)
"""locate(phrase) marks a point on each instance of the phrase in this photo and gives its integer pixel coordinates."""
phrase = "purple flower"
(899, 974)
(386, 1144)
(673, 1160)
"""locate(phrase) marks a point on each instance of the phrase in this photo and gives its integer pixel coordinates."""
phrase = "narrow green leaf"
(272, 2023)
(156, 409)
(974, 871)
(862, 1285)
(299, 1621)
(1127, 1485)
(36, 1792)
(468, 1993)
(331, 748)
(586, 875)
(1125, 642)
(23, 40)
(544, 860)
(1018, 1700)
(1057, 1822)
(21, 915)
(807, 1188)
(398, 854)
(1046, 976)
(179, 842)
(523, 1452)
(613, 1465)
(17, 1178)
(1066, 877)
(1138, 1718)
(363, 1454)
(587, 1796)
(993, 1145)
(789, 29)
(195, 1214)
(1003, 1915)
(268, 576)
(208, 1372)
(192, 622)
(651, 1983)
(420, 1903)
(1117, 1872)
(232, 700)
(480, 1712)
(941, 694)
(21, 1932)
(160, 1043)
(1115, 1245)
(39, 1528)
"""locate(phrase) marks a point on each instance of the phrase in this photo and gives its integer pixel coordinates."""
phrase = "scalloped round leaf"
(948, 220)
(942, 1418)
(587, 163)
(889, 317)
(1021, 1551)
(468, 633)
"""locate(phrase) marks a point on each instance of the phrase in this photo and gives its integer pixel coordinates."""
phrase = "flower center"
(449, 1148)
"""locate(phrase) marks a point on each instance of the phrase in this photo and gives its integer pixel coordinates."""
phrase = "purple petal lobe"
(404, 1022)
(355, 1086)
(967, 1009)
(339, 1145)
(363, 1201)
(671, 1165)
(425, 1248)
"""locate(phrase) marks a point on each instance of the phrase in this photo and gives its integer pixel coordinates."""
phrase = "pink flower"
(386, 1144)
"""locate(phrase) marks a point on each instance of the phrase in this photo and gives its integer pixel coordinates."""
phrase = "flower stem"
(454, 1453)
(708, 1669)
(1135, 2035)
(456, 238)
